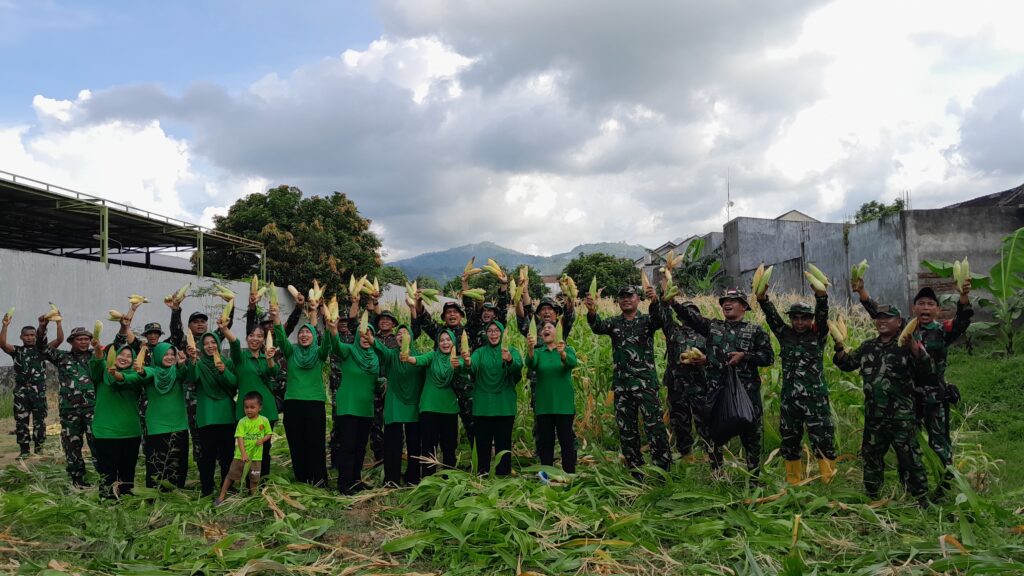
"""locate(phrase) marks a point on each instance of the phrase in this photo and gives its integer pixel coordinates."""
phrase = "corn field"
(600, 521)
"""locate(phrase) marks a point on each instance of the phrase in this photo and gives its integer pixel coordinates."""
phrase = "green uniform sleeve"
(516, 365)
(328, 343)
(771, 315)
(97, 367)
(870, 306)
(598, 325)
(761, 353)
(342, 349)
(849, 361)
(570, 358)
(821, 317)
(281, 340)
(960, 323)
(236, 351)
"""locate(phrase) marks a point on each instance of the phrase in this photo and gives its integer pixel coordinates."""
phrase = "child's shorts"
(235, 471)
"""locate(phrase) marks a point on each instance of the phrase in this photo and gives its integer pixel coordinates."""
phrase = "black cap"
(197, 316)
(628, 290)
(153, 327)
(926, 292)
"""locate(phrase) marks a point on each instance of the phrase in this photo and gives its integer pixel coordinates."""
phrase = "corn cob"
(224, 292)
(178, 295)
(228, 308)
(470, 270)
(114, 315)
(644, 283)
(269, 342)
(593, 288)
(332, 309)
(574, 292)
(755, 284)
(140, 360)
(54, 312)
(513, 290)
(815, 283)
(405, 342)
(533, 328)
(190, 340)
(293, 291)
(216, 356)
(137, 299)
(376, 287)
(837, 328)
(688, 356)
(670, 293)
(464, 342)
(475, 294)
(111, 356)
(908, 332)
(766, 277)
(858, 270)
(494, 268)
(558, 331)
(524, 275)
(451, 353)
(10, 313)
(505, 336)
(273, 295)
(431, 295)
(364, 323)
(819, 274)
(254, 284)
(672, 261)
(97, 329)
(961, 274)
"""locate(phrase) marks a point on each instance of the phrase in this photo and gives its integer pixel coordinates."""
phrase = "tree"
(392, 275)
(699, 273)
(427, 282)
(489, 283)
(612, 273)
(874, 210)
(305, 238)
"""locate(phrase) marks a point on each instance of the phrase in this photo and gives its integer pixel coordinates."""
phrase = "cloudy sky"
(538, 125)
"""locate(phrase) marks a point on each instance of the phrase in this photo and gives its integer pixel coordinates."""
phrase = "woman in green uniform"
(166, 418)
(401, 410)
(255, 371)
(555, 410)
(496, 371)
(354, 415)
(215, 385)
(439, 406)
(116, 426)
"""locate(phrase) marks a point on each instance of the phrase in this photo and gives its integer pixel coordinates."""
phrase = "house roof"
(796, 215)
(1011, 197)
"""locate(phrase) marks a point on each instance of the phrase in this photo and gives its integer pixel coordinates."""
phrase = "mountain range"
(447, 264)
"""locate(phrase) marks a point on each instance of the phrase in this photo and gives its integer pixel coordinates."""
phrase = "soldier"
(743, 345)
(686, 383)
(933, 394)
(452, 315)
(889, 372)
(635, 378)
(804, 400)
(29, 387)
(77, 395)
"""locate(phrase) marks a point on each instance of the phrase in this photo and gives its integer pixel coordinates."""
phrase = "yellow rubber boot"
(827, 469)
(794, 471)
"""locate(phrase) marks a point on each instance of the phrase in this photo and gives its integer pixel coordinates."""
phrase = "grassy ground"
(602, 521)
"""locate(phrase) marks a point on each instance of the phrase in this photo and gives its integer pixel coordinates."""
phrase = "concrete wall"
(85, 290)
(751, 241)
(827, 251)
(881, 243)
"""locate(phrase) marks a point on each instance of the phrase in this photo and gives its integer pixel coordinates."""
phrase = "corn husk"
(477, 294)
(644, 282)
(837, 328)
(533, 328)
(268, 343)
(114, 315)
(216, 356)
(524, 275)
(691, 354)
(908, 332)
(228, 308)
(431, 295)
(10, 313)
(494, 268)
(858, 270)
(273, 295)
(111, 356)
(814, 282)
(818, 274)
(364, 323)
(470, 270)
(593, 288)
(97, 329)
(137, 299)
(293, 291)
(140, 359)
(254, 284)
(406, 342)
(225, 293)
(513, 290)
(464, 341)
(558, 331)
(506, 336)
(190, 340)
(53, 313)
(755, 284)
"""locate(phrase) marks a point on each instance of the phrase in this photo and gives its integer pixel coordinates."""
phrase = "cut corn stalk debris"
(907, 332)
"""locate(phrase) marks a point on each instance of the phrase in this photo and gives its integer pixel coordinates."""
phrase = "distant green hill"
(449, 263)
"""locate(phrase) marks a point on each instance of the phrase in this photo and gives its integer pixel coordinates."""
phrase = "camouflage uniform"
(804, 400)
(77, 399)
(29, 396)
(377, 429)
(687, 385)
(635, 383)
(475, 323)
(933, 393)
(462, 384)
(333, 383)
(724, 337)
(889, 372)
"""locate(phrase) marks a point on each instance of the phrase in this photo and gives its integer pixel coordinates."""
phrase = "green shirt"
(303, 383)
(251, 431)
(165, 411)
(253, 375)
(117, 403)
(215, 401)
(405, 386)
(438, 395)
(494, 381)
(554, 380)
(359, 370)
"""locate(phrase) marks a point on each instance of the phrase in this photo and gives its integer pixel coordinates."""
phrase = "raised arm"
(821, 316)
(771, 315)
(3, 336)
(691, 316)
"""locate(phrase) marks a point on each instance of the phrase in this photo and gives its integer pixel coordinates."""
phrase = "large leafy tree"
(305, 237)
(427, 282)
(489, 283)
(612, 272)
(392, 275)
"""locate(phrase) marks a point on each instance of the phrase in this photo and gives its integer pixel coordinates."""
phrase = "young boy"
(251, 433)
(804, 391)
(889, 372)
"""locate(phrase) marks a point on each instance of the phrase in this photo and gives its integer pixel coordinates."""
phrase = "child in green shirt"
(251, 434)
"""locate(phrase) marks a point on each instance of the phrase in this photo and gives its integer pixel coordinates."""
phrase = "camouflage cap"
(800, 308)
(453, 304)
(628, 290)
(888, 311)
(490, 306)
(549, 301)
(153, 327)
(734, 294)
(383, 315)
(79, 331)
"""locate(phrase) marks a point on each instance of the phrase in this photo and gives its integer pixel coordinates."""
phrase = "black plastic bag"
(733, 413)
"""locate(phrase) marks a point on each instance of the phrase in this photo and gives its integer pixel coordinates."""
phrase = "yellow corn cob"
(513, 290)
(273, 295)
(470, 270)
(819, 275)
(533, 328)
(755, 284)
(224, 292)
(505, 338)
(574, 292)
(475, 294)
(269, 342)
(364, 323)
(114, 315)
(10, 313)
(644, 283)
(53, 313)
(957, 276)
(376, 286)
(965, 268)
(190, 340)
(97, 329)
(254, 284)
(405, 342)
(451, 353)
(464, 342)
(216, 356)
(111, 356)
(593, 287)
(858, 270)
(140, 360)
(365, 286)
(558, 331)
(908, 332)
(668, 276)
(293, 291)
(815, 283)
(332, 309)
(837, 328)
(524, 275)
(228, 308)
(137, 299)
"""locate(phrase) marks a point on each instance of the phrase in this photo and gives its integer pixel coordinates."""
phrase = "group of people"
(389, 394)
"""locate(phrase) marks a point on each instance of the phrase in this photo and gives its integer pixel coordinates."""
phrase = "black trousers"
(265, 470)
(395, 434)
(548, 427)
(305, 426)
(493, 432)
(437, 428)
(218, 448)
(116, 459)
(167, 458)
(353, 434)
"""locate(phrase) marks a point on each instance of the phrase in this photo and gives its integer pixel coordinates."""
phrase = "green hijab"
(108, 378)
(366, 359)
(441, 371)
(163, 377)
(207, 370)
(306, 357)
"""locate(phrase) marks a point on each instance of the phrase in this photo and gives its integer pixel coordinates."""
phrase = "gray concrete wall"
(84, 291)
(881, 242)
(751, 241)
(827, 251)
